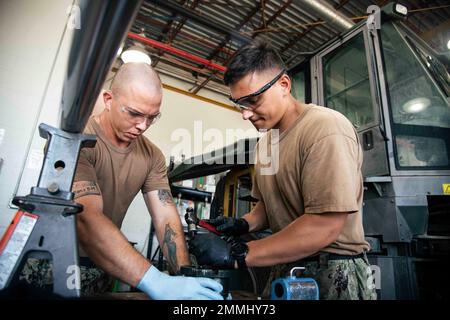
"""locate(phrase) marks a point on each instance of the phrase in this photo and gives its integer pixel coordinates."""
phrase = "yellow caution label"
(446, 188)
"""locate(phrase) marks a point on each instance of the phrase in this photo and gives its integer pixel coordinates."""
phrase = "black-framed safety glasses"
(247, 101)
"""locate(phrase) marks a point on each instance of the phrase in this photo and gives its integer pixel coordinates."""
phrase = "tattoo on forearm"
(171, 247)
(165, 197)
(85, 188)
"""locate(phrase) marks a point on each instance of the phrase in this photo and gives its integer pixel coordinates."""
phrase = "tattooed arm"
(102, 240)
(168, 227)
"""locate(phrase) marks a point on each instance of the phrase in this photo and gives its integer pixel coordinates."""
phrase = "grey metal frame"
(376, 129)
(319, 79)
(385, 108)
(378, 88)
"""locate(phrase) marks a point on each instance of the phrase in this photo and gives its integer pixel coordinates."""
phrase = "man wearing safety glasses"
(109, 176)
(312, 203)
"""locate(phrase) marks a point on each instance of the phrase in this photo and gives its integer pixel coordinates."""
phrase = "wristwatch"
(239, 251)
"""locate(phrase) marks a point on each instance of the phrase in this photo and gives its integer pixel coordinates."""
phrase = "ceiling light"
(135, 54)
(416, 105)
(395, 10)
(401, 9)
(448, 44)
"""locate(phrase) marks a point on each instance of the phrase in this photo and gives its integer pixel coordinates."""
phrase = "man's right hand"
(230, 226)
(160, 286)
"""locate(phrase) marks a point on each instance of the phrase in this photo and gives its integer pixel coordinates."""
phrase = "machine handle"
(295, 269)
(209, 227)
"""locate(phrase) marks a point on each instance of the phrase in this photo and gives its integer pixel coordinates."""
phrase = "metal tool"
(192, 221)
(209, 227)
(221, 276)
(294, 288)
(46, 214)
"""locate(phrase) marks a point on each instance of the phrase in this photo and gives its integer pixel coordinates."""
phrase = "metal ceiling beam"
(296, 38)
(274, 16)
(241, 24)
(381, 3)
(262, 4)
(341, 4)
(150, 21)
(168, 26)
(181, 24)
(327, 13)
(228, 37)
(175, 30)
(212, 24)
(440, 28)
(222, 44)
(175, 51)
(188, 67)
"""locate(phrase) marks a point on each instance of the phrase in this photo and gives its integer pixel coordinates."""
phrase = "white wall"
(30, 33)
(31, 76)
(184, 112)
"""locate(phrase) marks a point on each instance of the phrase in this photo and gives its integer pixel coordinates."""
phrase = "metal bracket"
(52, 203)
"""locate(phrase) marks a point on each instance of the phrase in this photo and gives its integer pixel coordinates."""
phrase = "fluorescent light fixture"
(135, 54)
(395, 10)
(401, 9)
(448, 44)
(416, 105)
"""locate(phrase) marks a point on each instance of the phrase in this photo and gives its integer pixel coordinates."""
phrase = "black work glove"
(211, 250)
(230, 226)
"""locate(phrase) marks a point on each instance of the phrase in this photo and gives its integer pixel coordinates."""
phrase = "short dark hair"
(257, 55)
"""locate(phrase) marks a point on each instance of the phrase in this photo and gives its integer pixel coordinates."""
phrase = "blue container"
(294, 288)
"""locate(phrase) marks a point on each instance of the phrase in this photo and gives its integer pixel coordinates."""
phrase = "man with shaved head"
(107, 179)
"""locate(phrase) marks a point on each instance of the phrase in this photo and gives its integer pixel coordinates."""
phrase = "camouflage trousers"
(38, 273)
(337, 279)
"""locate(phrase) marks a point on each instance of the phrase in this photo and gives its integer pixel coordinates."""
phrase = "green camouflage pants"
(38, 273)
(337, 279)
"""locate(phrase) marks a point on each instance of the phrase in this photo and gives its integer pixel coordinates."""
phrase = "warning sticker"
(13, 243)
(446, 188)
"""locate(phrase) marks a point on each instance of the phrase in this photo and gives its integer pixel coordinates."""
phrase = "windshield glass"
(434, 67)
(346, 82)
(419, 104)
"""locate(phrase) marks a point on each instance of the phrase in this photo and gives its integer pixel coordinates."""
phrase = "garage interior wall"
(32, 75)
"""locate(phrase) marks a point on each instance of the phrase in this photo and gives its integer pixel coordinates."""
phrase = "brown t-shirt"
(121, 173)
(319, 171)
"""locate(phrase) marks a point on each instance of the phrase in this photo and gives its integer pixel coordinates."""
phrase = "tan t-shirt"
(121, 173)
(319, 171)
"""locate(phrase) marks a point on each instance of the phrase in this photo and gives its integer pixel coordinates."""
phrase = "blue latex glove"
(160, 286)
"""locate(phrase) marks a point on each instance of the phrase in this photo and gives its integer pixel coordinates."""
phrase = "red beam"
(175, 51)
